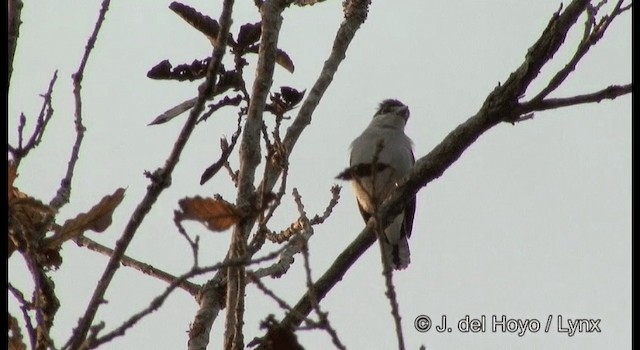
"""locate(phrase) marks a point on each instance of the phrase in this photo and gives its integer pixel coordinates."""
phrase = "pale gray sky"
(533, 220)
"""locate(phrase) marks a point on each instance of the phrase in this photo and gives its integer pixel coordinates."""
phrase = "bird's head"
(391, 112)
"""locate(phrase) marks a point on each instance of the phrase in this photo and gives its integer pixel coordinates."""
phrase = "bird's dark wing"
(409, 213)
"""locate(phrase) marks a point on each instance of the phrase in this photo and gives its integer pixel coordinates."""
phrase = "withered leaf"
(216, 214)
(278, 337)
(192, 71)
(29, 215)
(97, 219)
(174, 112)
(15, 335)
(284, 101)
(203, 23)
(249, 34)
(285, 61)
(229, 80)
(226, 101)
(281, 57)
(11, 177)
(291, 95)
(160, 70)
(29, 221)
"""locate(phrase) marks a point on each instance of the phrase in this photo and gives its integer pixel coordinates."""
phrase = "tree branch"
(145, 268)
(591, 37)
(249, 159)
(46, 112)
(14, 13)
(355, 13)
(64, 192)
(611, 92)
(161, 180)
(500, 105)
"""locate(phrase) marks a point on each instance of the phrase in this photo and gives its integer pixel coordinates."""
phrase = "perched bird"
(384, 152)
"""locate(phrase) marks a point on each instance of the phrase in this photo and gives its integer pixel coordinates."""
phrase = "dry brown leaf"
(284, 60)
(203, 23)
(216, 214)
(12, 176)
(15, 335)
(29, 221)
(14, 192)
(97, 219)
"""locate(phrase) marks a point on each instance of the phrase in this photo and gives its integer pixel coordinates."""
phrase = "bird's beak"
(404, 112)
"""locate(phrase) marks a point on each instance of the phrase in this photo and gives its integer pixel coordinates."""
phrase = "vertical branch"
(14, 12)
(161, 180)
(44, 300)
(64, 192)
(388, 281)
(249, 160)
(355, 14)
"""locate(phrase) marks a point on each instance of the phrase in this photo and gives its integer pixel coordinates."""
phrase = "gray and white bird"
(394, 160)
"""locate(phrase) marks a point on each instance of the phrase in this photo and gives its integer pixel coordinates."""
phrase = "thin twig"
(592, 34)
(388, 281)
(322, 316)
(64, 191)
(158, 301)
(44, 301)
(145, 268)
(193, 244)
(610, 92)
(160, 182)
(46, 112)
(24, 307)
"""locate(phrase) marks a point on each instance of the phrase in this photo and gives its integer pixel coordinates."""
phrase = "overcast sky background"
(533, 220)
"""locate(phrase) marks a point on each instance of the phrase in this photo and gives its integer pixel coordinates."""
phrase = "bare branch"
(212, 299)
(249, 160)
(391, 292)
(500, 105)
(44, 301)
(193, 244)
(322, 316)
(24, 307)
(592, 34)
(46, 112)
(354, 17)
(14, 14)
(226, 148)
(158, 301)
(611, 92)
(355, 14)
(161, 180)
(145, 268)
(64, 192)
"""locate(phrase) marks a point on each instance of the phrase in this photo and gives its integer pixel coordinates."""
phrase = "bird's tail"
(398, 254)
